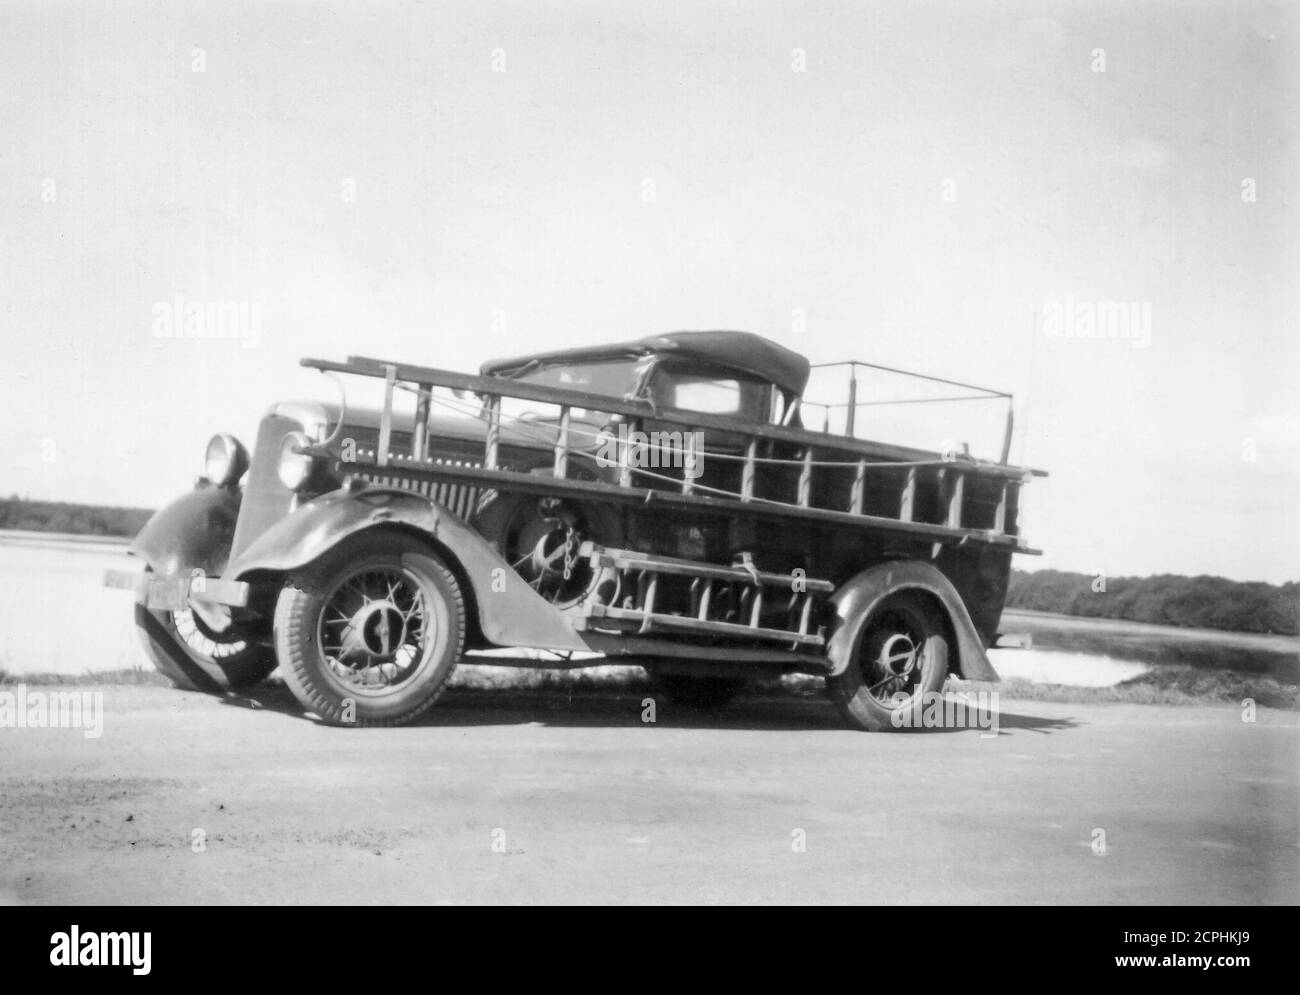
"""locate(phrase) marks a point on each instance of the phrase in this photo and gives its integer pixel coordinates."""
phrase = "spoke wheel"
(901, 657)
(370, 634)
(540, 538)
(376, 629)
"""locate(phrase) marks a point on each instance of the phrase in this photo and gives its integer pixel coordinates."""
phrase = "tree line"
(78, 519)
(1165, 599)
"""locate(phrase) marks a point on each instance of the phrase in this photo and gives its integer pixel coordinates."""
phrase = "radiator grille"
(460, 499)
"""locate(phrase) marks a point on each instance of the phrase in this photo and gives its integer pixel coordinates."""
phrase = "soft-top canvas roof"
(739, 350)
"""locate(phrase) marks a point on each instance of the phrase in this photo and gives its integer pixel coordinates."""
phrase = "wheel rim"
(378, 629)
(200, 640)
(894, 655)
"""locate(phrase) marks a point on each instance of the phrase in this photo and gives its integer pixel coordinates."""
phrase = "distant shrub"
(1165, 599)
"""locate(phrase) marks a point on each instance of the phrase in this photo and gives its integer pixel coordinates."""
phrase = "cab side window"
(713, 392)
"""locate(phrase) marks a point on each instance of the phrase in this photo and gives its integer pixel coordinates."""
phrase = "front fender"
(856, 600)
(510, 613)
(194, 531)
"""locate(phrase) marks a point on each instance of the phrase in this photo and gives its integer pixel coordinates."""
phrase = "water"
(1057, 667)
(56, 617)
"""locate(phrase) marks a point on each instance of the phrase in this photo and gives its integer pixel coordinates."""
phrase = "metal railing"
(812, 453)
(852, 405)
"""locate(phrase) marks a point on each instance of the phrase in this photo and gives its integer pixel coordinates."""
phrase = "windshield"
(615, 377)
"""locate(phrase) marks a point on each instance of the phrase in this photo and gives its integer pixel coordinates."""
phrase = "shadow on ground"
(620, 708)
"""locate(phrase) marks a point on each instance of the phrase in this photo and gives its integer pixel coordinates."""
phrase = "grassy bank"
(1271, 656)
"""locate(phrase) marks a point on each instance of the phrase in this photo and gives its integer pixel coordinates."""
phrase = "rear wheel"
(900, 659)
(195, 658)
(369, 634)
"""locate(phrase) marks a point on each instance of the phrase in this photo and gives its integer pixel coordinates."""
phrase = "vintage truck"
(659, 501)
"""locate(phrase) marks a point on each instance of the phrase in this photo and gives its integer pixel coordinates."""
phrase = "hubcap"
(376, 631)
(898, 654)
(547, 558)
(893, 656)
(543, 548)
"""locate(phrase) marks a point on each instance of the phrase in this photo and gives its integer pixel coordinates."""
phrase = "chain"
(569, 558)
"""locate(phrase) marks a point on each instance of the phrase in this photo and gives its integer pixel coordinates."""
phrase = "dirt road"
(503, 797)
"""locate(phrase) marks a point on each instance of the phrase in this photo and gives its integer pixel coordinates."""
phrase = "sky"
(963, 189)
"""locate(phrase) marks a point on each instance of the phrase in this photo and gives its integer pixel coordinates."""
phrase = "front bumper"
(177, 593)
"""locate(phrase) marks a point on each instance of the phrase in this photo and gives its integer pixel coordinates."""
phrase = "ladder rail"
(949, 476)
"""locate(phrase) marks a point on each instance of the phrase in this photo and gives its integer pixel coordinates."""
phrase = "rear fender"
(856, 600)
(510, 613)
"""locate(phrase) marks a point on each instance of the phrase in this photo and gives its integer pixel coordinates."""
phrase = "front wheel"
(369, 634)
(900, 660)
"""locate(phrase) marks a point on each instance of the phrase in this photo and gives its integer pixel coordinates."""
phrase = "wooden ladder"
(639, 611)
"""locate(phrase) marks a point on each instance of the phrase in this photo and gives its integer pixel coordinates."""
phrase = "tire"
(905, 631)
(706, 692)
(195, 659)
(334, 631)
(537, 535)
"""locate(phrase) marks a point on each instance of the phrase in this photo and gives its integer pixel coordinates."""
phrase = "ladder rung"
(645, 622)
(627, 559)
